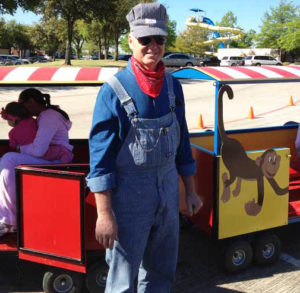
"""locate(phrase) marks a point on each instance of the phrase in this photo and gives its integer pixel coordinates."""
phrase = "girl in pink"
(53, 129)
(25, 129)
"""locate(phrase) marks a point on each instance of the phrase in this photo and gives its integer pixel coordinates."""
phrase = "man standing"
(138, 144)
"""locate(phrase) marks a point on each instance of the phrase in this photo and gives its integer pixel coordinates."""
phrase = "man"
(138, 144)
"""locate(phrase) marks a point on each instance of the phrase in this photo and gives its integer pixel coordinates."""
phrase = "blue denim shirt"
(111, 124)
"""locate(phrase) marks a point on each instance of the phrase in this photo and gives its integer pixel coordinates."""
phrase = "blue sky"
(248, 12)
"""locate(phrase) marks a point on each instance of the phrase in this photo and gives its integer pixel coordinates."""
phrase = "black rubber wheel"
(257, 64)
(95, 279)
(279, 64)
(189, 64)
(267, 249)
(233, 64)
(238, 256)
(59, 281)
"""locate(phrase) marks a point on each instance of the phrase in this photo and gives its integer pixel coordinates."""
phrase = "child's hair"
(18, 110)
(40, 98)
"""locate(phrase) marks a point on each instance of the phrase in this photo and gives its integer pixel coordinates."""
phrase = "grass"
(80, 63)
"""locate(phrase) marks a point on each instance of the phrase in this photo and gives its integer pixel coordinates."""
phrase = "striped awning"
(241, 73)
(56, 75)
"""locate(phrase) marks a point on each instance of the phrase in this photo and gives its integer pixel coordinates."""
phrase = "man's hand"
(106, 229)
(193, 203)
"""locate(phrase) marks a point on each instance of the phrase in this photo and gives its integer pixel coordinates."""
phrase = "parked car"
(210, 61)
(22, 60)
(10, 60)
(124, 57)
(179, 59)
(230, 60)
(258, 60)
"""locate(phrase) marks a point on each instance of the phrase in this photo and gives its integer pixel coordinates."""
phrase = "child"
(25, 129)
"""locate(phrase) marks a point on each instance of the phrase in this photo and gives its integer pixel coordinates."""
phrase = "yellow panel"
(233, 217)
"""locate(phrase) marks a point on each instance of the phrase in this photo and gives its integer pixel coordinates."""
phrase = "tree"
(114, 15)
(49, 35)
(290, 40)
(275, 25)
(171, 27)
(191, 41)
(228, 20)
(70, 11)
(10, 6)
(18, 36)
(80, 36)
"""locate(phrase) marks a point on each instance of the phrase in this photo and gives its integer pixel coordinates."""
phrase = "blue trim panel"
(191, 73)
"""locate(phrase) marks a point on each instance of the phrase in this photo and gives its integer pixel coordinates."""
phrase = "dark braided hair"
(17, 109)
(41, 99)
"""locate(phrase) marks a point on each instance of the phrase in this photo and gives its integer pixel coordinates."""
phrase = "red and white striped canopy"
(56, 75)
(241, 73)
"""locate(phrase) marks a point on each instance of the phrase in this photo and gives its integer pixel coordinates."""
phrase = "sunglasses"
(159, 40)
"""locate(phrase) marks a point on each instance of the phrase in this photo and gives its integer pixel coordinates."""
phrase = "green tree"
(275, 25)
(191, 41)
(49, 35)
(10, 6)
(80, 36)
(228, 20)
(18, 36)
(70, 12)
(290, 40)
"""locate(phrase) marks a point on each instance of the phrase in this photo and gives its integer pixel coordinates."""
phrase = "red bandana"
(150, 82)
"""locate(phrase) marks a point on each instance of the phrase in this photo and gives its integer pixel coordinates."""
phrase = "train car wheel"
(96, 277)
(238, 256)
(267, 249)
(58, 281)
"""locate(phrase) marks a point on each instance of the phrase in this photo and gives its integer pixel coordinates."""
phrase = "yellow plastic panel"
(234, 217)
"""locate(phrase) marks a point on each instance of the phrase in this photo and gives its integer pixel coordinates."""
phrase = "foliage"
(10, 6)
(17, 35)
(191, 41)
(50, 35)
(275, 25)
(290, 40)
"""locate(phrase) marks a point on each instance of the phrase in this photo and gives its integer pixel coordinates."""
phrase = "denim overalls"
(145, 201)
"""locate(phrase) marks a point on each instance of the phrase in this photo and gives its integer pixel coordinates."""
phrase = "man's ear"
(130, 40)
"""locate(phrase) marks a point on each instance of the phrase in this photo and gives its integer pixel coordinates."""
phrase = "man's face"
(148, 50)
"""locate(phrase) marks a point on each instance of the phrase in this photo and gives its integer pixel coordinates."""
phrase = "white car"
(231, 60)
(258, 60)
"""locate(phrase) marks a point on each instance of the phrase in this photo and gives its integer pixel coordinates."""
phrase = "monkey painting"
(240, 166)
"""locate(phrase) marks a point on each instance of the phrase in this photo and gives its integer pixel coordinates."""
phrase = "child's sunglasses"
(159, 40)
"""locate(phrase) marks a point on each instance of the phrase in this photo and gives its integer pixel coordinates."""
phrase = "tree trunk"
(69, 43)
(100, 49)
(116, 37)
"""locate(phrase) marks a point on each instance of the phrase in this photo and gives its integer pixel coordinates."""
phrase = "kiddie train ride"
(207, 24)
(57, 214)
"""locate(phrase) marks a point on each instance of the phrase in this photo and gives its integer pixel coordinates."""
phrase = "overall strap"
(171, 94)
(125, 100)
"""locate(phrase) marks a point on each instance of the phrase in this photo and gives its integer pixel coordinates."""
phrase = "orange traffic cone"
(200, 122)
(251, 114)
(291, 102)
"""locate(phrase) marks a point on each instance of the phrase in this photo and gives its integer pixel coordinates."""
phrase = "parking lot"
(199, 269)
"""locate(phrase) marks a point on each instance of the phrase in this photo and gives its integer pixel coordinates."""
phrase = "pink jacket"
(52, 138)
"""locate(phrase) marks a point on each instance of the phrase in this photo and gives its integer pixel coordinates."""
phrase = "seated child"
(24, 131)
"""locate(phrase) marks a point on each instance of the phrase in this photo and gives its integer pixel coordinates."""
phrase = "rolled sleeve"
(101, 183)
(188, 169)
